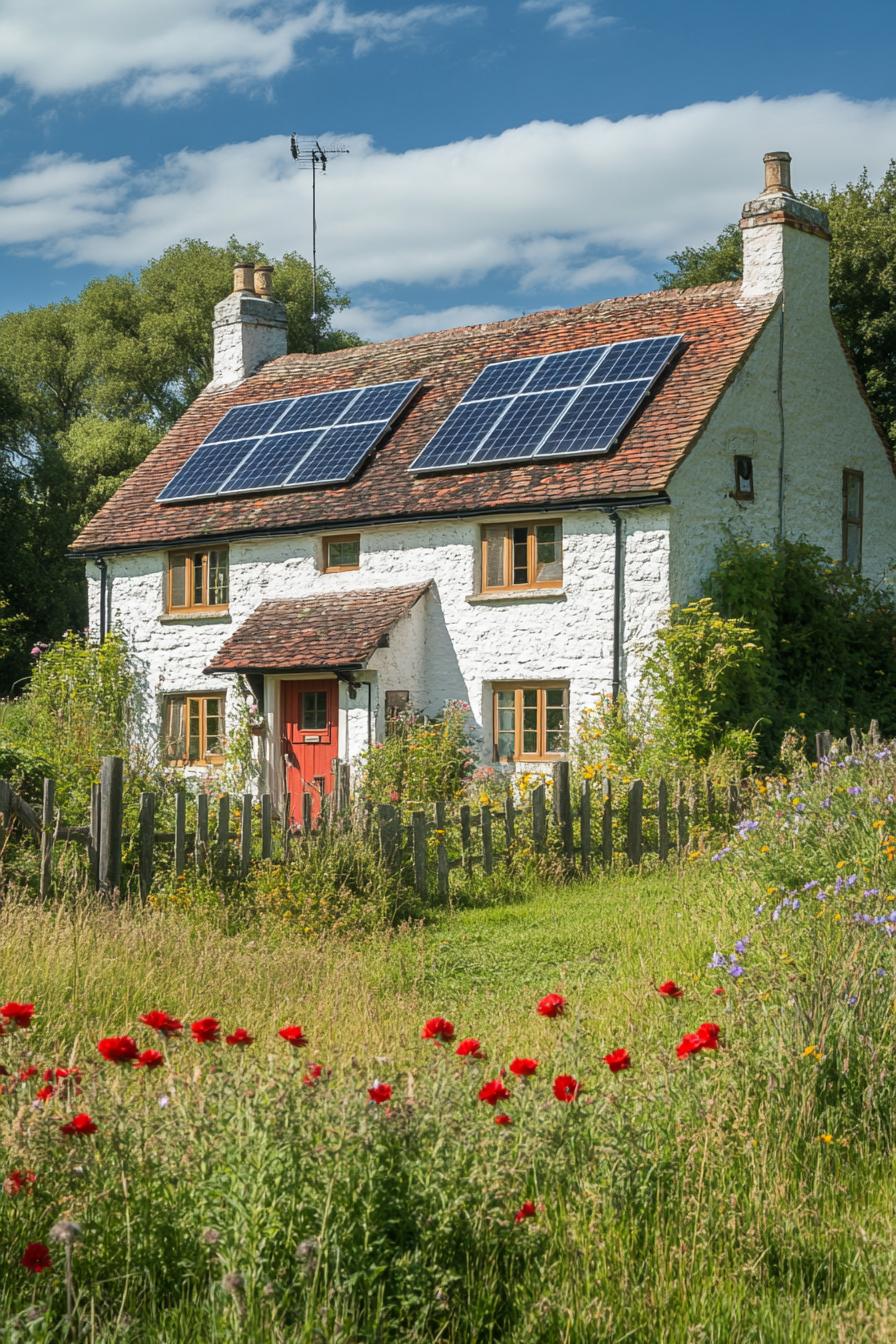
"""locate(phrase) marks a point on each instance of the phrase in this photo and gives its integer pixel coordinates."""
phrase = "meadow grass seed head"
(66, 1232)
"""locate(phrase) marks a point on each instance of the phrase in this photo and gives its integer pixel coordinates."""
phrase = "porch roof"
(315, 633)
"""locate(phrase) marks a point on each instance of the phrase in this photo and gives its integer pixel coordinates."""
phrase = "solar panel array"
(320, 439)
(564, 405)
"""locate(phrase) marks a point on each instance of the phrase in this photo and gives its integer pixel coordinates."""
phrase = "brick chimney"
(249, 327)
(786, 242)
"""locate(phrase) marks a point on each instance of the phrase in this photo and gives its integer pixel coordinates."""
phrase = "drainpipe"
(618, 601)
(102, 566)
(369, 714)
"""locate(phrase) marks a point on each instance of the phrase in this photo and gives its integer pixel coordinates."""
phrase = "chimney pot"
(243, 282)
(777, 173)
(264, 281)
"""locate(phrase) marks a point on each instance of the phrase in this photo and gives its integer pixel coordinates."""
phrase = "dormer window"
(198, 580)
(743, 477)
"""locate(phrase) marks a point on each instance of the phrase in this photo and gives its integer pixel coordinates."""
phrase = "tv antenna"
(309, 153)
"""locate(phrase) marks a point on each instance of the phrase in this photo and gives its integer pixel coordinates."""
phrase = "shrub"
(827, 634)
(422, 761)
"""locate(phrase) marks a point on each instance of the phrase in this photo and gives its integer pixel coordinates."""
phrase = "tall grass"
(743, 1194)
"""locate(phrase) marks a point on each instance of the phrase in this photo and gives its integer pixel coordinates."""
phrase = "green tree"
(863, 277)
(87, 388)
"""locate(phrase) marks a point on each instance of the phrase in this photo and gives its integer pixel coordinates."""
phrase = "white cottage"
(346, 566)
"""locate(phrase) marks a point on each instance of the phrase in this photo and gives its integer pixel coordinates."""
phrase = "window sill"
(517, 595)
(188, 617)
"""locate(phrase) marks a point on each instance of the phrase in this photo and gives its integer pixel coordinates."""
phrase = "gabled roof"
(325, 630)
(718, 329)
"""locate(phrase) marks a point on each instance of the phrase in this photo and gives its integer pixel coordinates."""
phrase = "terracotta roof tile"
(718, 329)
(325, 630)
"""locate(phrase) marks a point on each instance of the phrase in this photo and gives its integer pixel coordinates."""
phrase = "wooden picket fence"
(602, 826)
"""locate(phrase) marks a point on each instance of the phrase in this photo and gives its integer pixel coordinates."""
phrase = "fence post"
(539, 819)
(606, 824)
(180, 832)
(5, 804)
(509, 826)
(267, 835)
(485, 822)
(111, 800)
(733, 801)
(873, 734)
(823, 743)
(563, 809)
(681, 808)
(662, 820)
(93, 844)
(441, 852)
(634, 838)
(246, 836)
(343, 785)
(710, 802)
(306, 814)
(222, 838)
(585, 825)
(388, 823)
(418, 831)
(466, 847)
(200, 851)
(286, 836)
(47, 827)
(147, 840)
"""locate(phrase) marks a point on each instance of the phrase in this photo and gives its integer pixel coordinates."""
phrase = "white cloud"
(544, 212)
(166, 50)
(572, 19)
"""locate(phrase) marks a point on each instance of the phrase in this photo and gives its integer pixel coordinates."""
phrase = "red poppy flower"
(470, 1049)
(617, 1060)
(526, 1210)
(670, 990)
(45, 1093)
(17, 1181)
(493, 1092)
(205, 1030)
(565, 1087)
(18, 1014)
(312, 1073)
(438, 1029)
(161, 1021)
(239, 1037)
(523, 1068)
(551, 1005)
(294, 1035)
(503, 1119)
(27, 1073)
(118, 1049)
(58, 1075)
(718, 991)
(80, 1124)
(149, 1059)
(689, 1045)
(379, 1093)
(36, 1257)
(709, 1035)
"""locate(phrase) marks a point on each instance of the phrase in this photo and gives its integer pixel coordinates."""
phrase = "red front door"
(308, 713)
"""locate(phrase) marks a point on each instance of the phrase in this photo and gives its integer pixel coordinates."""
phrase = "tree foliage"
(87, 388)
(863, 277)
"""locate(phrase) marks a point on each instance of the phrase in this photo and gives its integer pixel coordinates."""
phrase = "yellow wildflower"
(877, 825)
(825, 1138)
(763, 849)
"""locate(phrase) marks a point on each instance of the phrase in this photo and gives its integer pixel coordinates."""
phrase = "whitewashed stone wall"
(453, 644)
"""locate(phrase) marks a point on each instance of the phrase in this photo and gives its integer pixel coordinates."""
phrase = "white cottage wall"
(453, 645)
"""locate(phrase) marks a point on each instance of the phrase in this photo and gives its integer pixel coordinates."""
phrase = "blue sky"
(504, 157)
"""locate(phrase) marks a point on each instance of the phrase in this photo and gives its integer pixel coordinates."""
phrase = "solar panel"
(319, 439)
(560, 405)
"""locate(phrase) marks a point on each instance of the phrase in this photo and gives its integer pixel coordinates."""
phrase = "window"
(853, 491)
(530, 722)
(314, 710)
(198, 580)
(342, 553)
(194, 729)
(521, 555)
(743, 477)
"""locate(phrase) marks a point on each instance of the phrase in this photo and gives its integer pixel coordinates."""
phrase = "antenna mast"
(309, 153)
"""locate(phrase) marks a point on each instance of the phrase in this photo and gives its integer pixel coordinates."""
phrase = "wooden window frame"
(518, 687)
(849, 520)
(335, 540)
(508, 586)
(737, 493)
(189, 558)
(204, 757)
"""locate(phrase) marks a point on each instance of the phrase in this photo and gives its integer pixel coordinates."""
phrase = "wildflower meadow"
(654, 1105)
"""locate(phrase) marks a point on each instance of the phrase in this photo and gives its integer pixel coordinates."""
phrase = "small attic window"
(743, 477)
